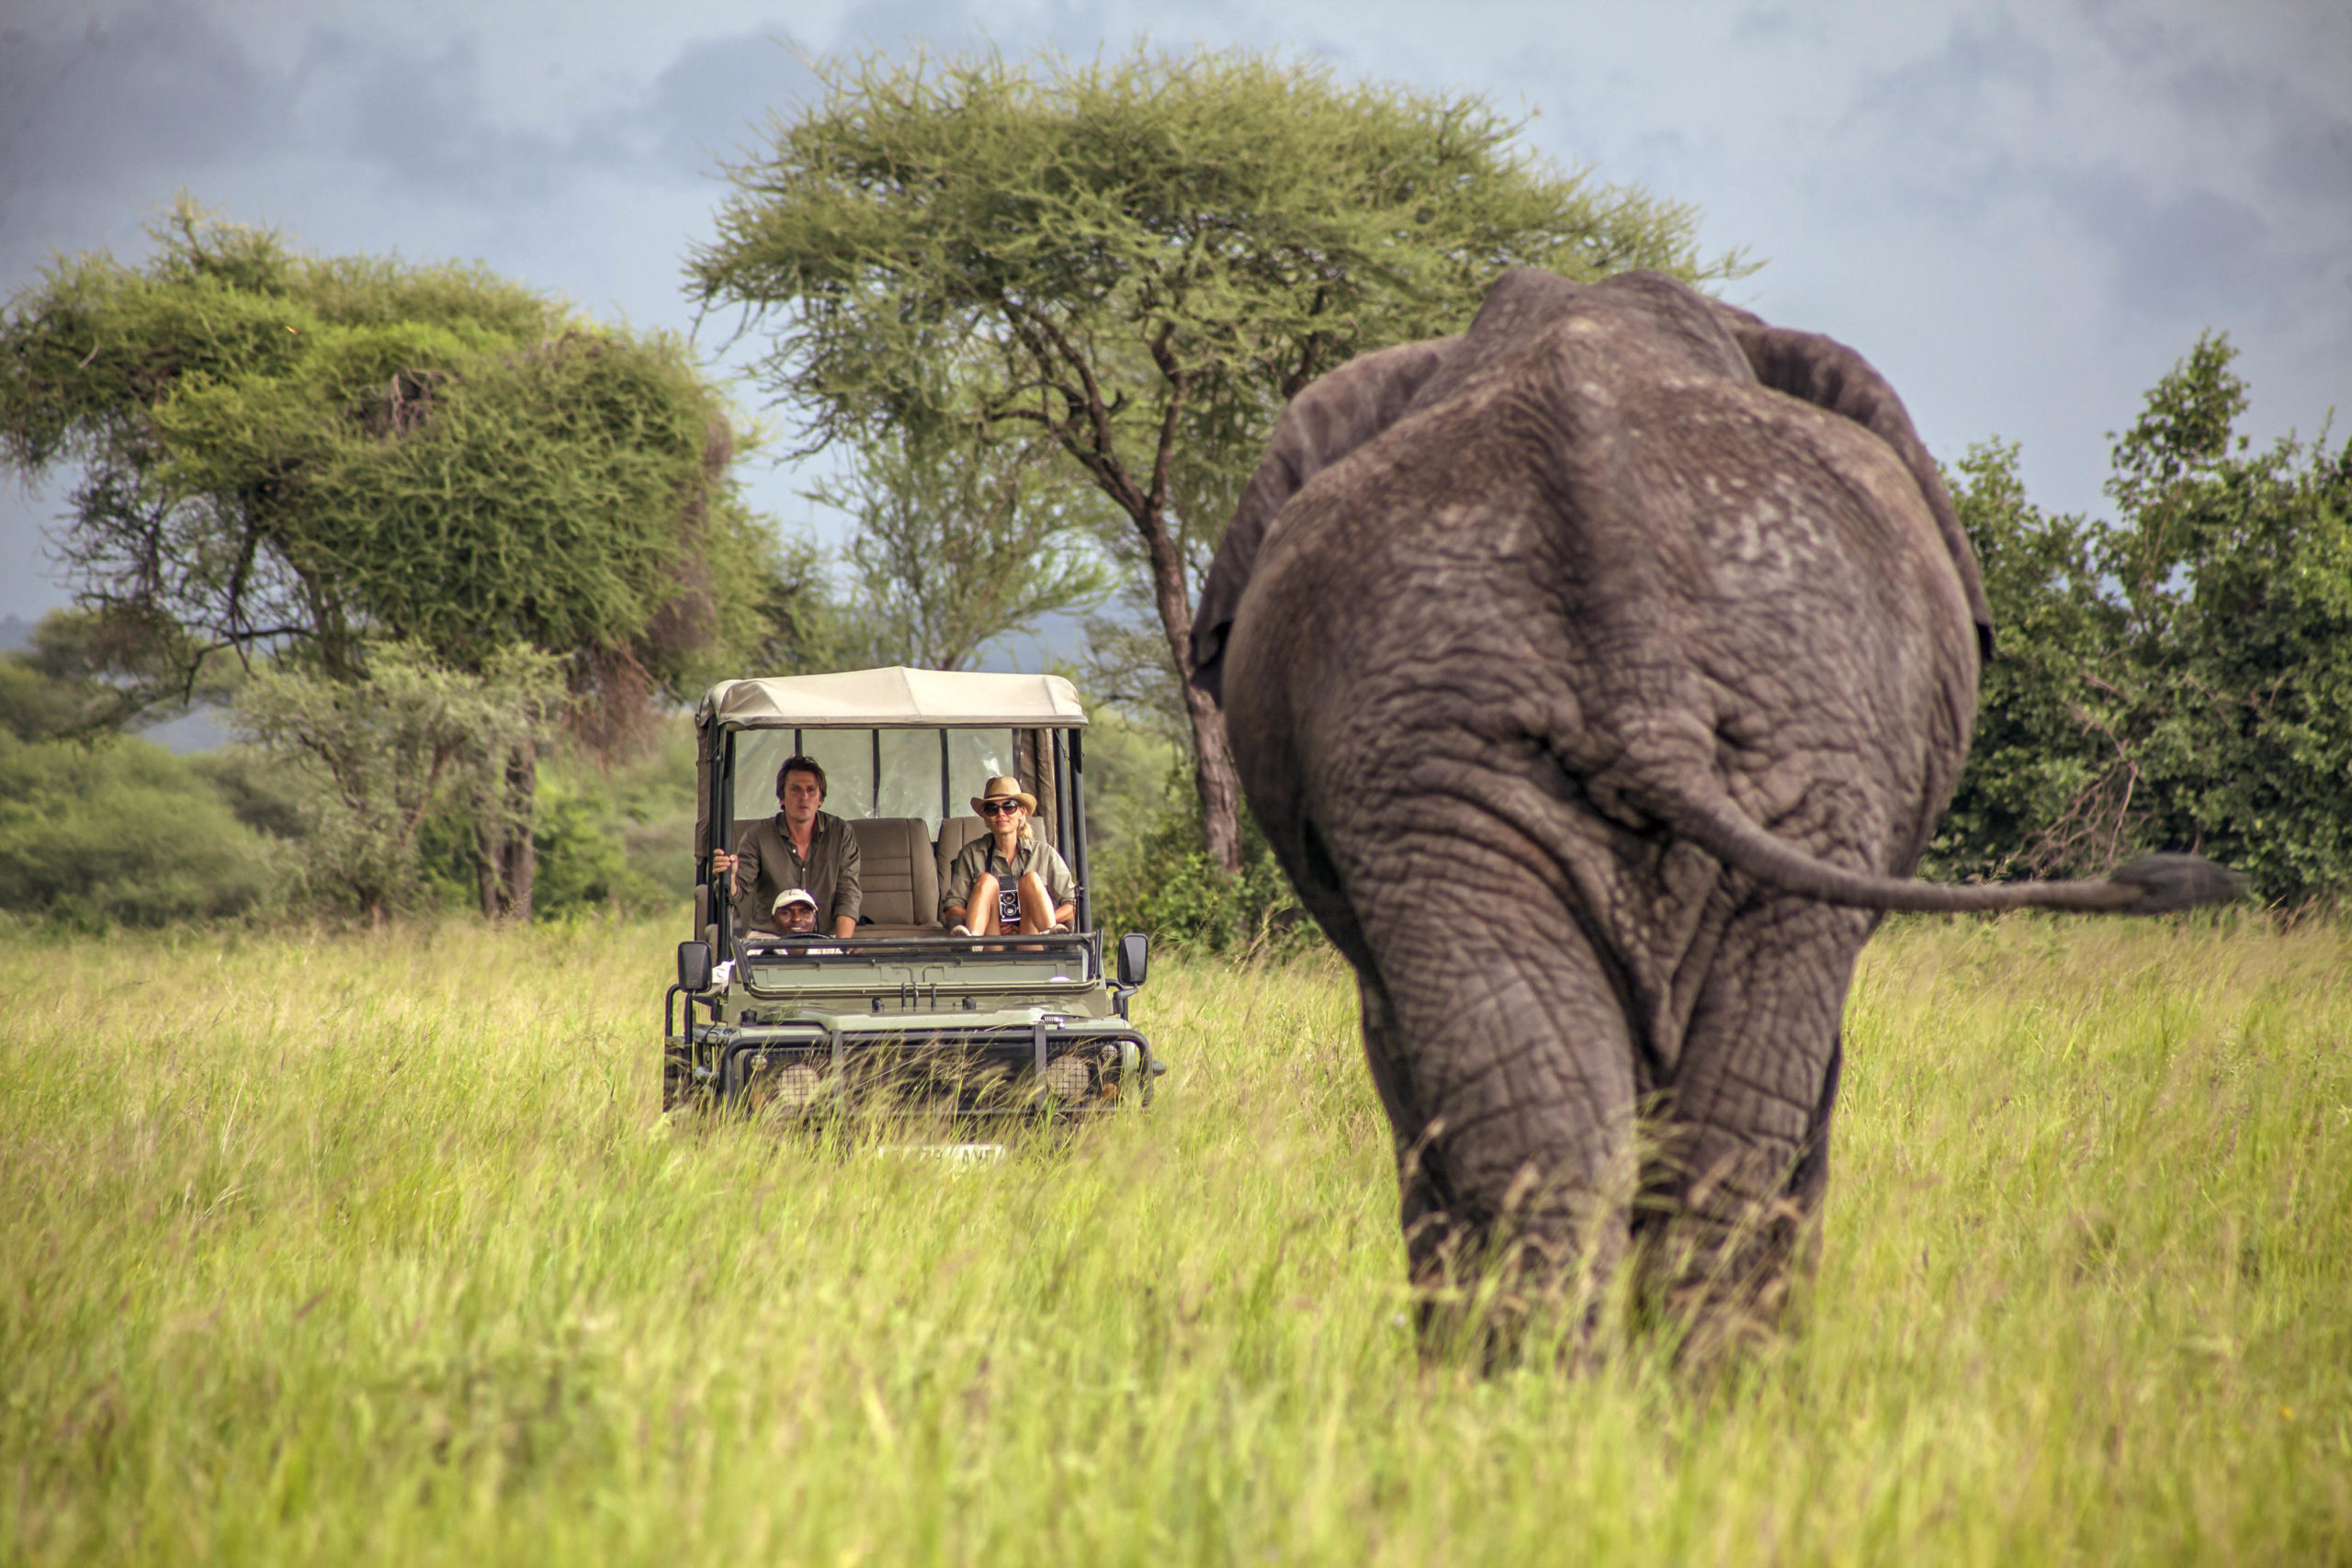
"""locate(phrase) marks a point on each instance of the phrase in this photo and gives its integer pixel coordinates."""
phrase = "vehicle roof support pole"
(1077, 867)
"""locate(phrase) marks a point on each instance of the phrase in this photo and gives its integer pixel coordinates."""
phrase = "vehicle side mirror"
(1134, 958)
(693, 967)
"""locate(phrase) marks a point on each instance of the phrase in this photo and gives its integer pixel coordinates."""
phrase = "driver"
(798, 847)
(794, 916)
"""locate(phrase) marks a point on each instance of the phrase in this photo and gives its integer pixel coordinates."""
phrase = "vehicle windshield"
(906, 796)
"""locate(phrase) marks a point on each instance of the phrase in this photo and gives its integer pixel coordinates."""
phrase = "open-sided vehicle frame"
(902, 1018)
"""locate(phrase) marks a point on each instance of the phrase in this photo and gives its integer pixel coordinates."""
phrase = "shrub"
(2177, 678)
(1163, 882)
(123, 832)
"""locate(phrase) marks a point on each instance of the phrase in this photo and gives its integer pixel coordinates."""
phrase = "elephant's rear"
(1477, 666)
(1595, 585)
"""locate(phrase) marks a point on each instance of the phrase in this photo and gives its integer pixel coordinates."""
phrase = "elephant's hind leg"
(1515, 1167)
(1742, 1152)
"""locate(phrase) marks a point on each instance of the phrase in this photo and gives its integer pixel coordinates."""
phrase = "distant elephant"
(1599, 677)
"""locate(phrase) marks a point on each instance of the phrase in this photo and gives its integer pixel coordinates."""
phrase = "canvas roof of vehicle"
(894, 697)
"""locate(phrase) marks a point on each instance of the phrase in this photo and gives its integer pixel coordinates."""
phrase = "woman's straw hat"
(1005, 789)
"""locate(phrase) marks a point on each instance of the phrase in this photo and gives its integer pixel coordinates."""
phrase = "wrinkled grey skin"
(1598, 676)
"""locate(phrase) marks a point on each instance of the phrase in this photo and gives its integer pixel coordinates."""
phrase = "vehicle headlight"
(1069, 1077)
(796, 1086)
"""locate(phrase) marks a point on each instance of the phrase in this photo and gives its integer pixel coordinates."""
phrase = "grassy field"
(374, 1250)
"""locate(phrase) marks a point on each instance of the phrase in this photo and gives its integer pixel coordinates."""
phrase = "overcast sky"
(2022, 214)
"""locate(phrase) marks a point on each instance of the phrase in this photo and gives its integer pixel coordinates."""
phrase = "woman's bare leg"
(1037, 908)
(980, 907)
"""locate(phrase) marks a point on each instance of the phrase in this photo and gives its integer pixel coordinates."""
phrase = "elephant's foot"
(1723, 1253)
(1524, 1280)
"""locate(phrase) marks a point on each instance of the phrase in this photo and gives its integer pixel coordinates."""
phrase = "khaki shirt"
(769, 864)
(1032, 853)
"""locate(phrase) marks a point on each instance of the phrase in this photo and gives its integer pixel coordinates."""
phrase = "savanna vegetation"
(363, 1240)
(2179, 676)
(1044, 312)
(374, 1249)
(408, 490)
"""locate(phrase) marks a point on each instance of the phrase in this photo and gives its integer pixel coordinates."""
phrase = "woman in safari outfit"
(1011, 882)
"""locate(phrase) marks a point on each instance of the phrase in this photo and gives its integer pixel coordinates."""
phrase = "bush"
(123, 832)
(2179, 678)
(265, 794)
(618, 832)
(1163, 882)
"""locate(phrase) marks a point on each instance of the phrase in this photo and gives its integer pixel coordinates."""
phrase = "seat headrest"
(896, 870)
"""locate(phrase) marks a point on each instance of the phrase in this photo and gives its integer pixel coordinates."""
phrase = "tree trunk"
(506, 858)
(1214, 775)
(489, 854)
(521, 815)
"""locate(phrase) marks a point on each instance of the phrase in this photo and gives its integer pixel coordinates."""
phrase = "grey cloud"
(2177, 256)
(2304, 145)
(426, 119)
(2300, 136)
(712, 104)
(2178, 243)
(1769, 25)
(2310, 160)
(1949, 91)
(158, 89)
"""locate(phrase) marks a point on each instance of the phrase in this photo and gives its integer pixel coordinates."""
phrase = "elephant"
(1598, 677)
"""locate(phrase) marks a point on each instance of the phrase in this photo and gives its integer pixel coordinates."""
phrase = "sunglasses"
(998, 807)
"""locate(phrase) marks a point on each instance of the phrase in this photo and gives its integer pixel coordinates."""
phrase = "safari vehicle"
(901, 1019)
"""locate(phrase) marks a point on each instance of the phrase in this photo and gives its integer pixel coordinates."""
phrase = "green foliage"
(275, 447)
(611, 835)
(931, 234)
(959, 543)
(122, 832)
(259, 788)
(581, 864)
(2049, 717)
(1132, 778)
(82, 675)
(374, 1249)
(617, 835)
(1162, 880)
(2179, 678)
(385, 751)
(37, 705)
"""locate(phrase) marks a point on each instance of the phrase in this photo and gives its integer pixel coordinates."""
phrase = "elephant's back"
(1813, 608)
(1609, 554)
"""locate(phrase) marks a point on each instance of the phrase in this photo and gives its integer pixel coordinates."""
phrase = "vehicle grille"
(995, 1075)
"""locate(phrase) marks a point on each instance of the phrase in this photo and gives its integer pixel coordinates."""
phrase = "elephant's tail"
(2152, 885)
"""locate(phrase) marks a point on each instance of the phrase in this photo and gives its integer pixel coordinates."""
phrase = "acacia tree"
(959, 543)
(301, 458)
(1138, 262)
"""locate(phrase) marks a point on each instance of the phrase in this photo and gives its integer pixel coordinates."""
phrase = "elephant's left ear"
(1828, 374)
(1333, 417)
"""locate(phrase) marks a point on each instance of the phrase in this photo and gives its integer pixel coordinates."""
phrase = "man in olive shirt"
(798, 847)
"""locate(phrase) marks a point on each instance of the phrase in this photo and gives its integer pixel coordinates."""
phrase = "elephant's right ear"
(1335, 414)
(1828, 374)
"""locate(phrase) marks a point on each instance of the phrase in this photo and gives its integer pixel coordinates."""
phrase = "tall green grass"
(375, 1249)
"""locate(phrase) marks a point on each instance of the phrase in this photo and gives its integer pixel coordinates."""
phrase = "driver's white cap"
(794, 895)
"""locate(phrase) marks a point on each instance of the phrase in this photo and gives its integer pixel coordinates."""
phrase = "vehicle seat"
(954, 834)
(900, 876)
